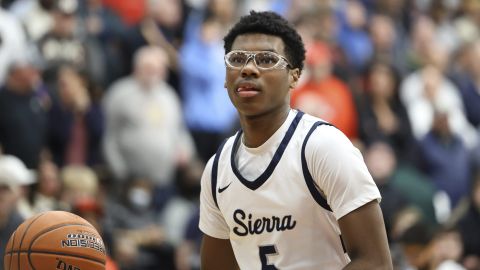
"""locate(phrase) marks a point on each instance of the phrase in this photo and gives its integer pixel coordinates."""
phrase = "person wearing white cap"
(13, 175)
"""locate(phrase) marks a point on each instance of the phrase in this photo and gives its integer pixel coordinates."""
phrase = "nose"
(250, 68)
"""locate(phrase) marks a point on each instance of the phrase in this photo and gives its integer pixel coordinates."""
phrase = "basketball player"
(288, 191)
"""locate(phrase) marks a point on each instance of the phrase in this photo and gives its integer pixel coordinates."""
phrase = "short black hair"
(269, 23)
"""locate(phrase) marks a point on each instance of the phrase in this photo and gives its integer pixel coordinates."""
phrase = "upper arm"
(211, 221)
(363, 232)
(217, 254)
(339, 171)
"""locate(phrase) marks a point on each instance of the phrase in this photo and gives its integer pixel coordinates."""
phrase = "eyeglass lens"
(262, 59)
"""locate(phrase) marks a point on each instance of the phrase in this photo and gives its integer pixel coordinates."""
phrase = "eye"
(237, 58)
(266, 59)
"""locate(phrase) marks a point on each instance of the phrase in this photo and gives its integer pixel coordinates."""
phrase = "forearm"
(365, 238)
(217, 254)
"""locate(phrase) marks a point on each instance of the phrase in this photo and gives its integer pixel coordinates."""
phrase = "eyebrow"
(266, 50)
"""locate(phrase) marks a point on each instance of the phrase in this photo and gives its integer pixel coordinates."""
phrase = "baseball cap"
(13, 172)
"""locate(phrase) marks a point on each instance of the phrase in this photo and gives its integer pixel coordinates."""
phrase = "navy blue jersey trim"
(306, 173)
(215, 171)
(253, 185)
(343, 244)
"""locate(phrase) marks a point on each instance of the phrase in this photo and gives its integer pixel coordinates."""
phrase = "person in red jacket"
(323, 95)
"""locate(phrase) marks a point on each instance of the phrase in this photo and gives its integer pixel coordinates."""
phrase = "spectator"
(209, 115)
(381, 162)
(78, 183)
(389, 44)
(319, 23)
(23, 107)
(445, 159)
(324, 95)
(75, 122)
(104, 33)
(466, 78)
(352, 35)
(140, 241)
(427, 88)
(145, 133)
(45, 194)
(445, 251)
(162, 25)
(131, 12)
(382, 115)
(187, 256)
(12, 42)
(92, 210)
(13, 175)
(418, 190)
(63, 44)
(422, 36)
(466, 23)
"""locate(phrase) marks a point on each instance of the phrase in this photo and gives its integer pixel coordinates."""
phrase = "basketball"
(55, 240)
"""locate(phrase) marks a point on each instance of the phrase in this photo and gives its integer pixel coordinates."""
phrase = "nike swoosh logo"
(220, 190)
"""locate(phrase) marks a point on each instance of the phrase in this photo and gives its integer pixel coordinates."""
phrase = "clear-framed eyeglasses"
(264, 60)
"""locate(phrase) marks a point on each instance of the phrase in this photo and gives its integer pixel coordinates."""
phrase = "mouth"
(247, 90)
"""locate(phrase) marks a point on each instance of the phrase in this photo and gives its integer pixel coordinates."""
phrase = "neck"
(258, 129)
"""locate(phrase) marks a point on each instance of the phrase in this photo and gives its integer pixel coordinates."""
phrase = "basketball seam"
(23, 237)
(29, 251)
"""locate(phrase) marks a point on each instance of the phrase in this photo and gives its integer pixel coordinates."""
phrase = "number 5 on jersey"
(263, 252)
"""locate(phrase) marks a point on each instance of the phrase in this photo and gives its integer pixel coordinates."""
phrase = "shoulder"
(121, 86)
(324, 138)
(215, 159)
(207, 171)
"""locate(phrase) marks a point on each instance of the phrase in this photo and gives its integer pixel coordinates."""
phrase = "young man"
(288, 191)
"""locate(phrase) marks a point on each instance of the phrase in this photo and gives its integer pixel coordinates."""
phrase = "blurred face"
(224, 9)
(356, 14)
(381, 82)
(150, 68)
(380, 161)
(382, 32)
(49, 181)
(71, 86)
(253, 91)
(8, 198)
(24, 78)
(167, 12)
(320, 70)
(64, 24)
(423, 34)
(448, 246)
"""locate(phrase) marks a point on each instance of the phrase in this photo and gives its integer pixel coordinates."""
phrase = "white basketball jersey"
(279, 220)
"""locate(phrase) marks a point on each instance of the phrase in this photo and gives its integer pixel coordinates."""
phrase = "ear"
(294, 76)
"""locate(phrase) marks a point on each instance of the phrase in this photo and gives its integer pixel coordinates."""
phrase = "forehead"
(259, 42)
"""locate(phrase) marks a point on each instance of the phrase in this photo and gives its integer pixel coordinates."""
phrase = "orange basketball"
(55, 240)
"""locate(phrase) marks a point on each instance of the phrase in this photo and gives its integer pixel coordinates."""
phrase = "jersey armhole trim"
(317, 196)
(215, 171)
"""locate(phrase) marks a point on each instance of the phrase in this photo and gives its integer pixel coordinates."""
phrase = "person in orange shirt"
(324, 95)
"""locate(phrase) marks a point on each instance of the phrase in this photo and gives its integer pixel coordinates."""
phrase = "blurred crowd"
(110, 109)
